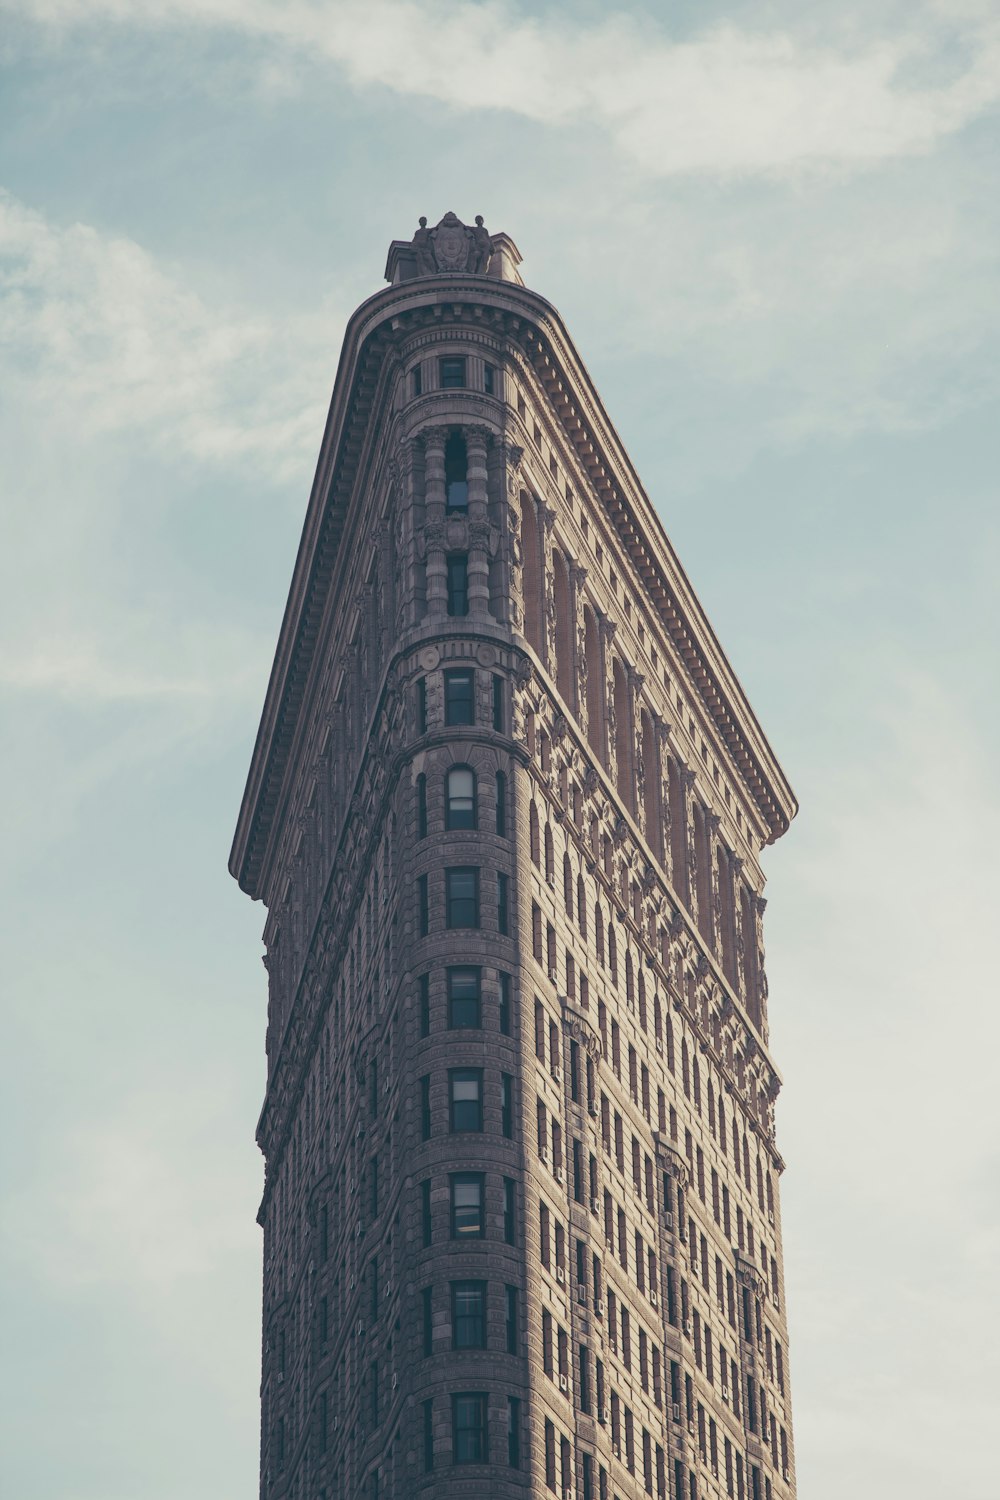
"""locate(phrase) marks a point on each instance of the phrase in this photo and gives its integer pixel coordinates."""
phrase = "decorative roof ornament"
(452, 246)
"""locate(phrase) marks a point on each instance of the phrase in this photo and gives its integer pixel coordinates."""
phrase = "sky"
(772, 231)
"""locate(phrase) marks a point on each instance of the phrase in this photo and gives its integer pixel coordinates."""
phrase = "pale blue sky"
(773, 232)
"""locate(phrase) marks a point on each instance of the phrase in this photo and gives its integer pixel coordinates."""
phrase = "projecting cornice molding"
(368, 363)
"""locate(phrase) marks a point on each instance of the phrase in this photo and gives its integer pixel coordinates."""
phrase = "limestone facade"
(522, 1231)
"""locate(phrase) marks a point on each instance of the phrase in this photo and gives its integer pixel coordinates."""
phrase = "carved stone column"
(711, 919)
(546, 523)
(688, 891)
(476, 441)
(637, 783)
(606, 633)
(513, 553)
(577, 578)
(434, 503)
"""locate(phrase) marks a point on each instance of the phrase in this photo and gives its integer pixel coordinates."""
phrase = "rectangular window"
(452, 372)
(416, 381)
(550, 1455)
(468, 1211)
(489, 380)
(423, 907)
(428, 1436)
(426, 1222)
(498, 713)
(468, 1315)
(428, 1320)
(501, 805)
(425, 1005)
(509, 1210)
(511, 1319)
(464, 1004)
(461, 892)
(469, 1432)
(503, 916)
(459, 696)
(458, 584)
(422, 705)
(465, 1099)
(514, 1431)
(425, 1107)
(505, 1018)
(507, 1105)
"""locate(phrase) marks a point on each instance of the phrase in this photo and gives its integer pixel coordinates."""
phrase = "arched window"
(565, 663)
(550, 858)
(595, 717)
(533, 839)
(568, 886)
(581, 906)
(460, 798)
(599, 932)
(532, 574)
(456, 473)
(612, 951)
(623, 736)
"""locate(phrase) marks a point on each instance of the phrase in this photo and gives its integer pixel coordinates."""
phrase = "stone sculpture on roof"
(452, 247)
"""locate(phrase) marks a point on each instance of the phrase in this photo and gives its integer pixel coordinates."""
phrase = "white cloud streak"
(95, 330)
(730, 101)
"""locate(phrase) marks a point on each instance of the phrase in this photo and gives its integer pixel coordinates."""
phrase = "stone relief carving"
(452, 246)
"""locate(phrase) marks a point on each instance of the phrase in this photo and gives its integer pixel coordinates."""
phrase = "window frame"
(457, 594)
(481, 1429)
(453, 678)
(454, 1000)
(451, 900)
(465, 1076)
(453, 819)
(477, 1320)
(467, 1179)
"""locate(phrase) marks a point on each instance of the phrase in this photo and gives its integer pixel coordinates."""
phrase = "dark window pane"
(462, 897)
(460, 798)
(467, 1213)
(468, 1314)
(458, 584)
(501, 805)
(489, 379)
(452, 372)
(466, 1087)
(464, 1008)
(459, 699)
(456, 471)
(469, 1444)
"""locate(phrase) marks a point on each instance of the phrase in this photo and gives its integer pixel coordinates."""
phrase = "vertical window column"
(476, 439)
(434, 505)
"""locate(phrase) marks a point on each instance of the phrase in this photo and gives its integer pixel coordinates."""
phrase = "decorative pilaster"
(513, 551)
(546, 523)
(476, 443)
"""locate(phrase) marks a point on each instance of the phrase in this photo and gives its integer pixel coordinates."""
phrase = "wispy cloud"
(95, 329)
(733, 100)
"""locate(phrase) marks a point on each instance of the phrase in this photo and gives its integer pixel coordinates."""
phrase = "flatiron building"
(522, 1233)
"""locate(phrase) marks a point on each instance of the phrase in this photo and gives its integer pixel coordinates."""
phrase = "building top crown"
(452, 248)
